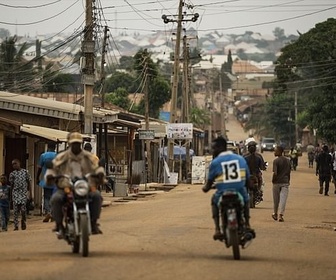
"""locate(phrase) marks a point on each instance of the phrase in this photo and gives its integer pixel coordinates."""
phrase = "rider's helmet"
(252, 146)
(252, 143)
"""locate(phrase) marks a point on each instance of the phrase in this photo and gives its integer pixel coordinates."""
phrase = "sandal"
(281, 219)
(275, 216)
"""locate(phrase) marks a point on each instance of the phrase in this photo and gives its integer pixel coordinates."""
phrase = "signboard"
(164, 116)
(180, 131)
(146, 134)
(198, 170)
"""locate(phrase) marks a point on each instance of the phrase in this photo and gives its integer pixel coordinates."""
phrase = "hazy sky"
(35, 17)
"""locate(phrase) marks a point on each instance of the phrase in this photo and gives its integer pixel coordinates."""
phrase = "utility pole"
(222, 106)
(209, 105)
(187, 98)
(148, 148)
(102, 67)
(173, 104)
(296, 120)
(88, 77)
(173, 101)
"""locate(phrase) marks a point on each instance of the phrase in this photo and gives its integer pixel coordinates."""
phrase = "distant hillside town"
(252, 54)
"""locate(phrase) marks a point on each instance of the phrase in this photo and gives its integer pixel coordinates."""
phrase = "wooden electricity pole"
(88, 78)
(102, 68)
(173, 102)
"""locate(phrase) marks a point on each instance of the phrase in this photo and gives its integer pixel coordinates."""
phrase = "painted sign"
(146, 134)
(179, 131)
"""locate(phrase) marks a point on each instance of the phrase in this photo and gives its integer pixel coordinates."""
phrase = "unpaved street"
(169, 236)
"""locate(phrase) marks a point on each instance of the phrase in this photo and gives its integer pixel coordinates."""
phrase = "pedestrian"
(324, 167)
(280, 181)
(311, 153)
(75, 162)
(20, 181)
(333, 155)
(228, 171)
(293, 155)
(46, 157)
(4, 202)
(88, 147)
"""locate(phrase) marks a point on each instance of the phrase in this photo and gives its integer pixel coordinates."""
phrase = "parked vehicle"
(267, 144)
(232, 221)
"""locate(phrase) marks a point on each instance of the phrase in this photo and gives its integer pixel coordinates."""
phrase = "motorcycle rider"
(75, 162)
(255, 163)
(227, 171)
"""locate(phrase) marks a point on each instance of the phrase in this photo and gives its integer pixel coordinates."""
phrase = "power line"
(30, 7)
(42, 20)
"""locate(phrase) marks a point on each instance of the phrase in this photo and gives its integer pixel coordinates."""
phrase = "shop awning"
(45, 132)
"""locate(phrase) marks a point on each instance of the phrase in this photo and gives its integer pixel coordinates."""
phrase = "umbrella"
(179, 151)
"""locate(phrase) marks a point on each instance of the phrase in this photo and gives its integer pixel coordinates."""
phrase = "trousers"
(280, 194)
(57, 202)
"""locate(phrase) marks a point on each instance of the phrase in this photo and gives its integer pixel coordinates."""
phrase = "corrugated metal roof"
(48, 107)
(44, 132)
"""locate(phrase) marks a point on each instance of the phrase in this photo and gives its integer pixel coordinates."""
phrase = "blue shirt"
(44, 158)
(4, 196)
(229, 171)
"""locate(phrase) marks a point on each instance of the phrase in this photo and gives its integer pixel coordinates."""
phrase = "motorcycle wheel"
(84, 234)
(235, 243)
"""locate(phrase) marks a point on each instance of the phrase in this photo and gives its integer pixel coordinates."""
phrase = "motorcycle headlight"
(81, 187)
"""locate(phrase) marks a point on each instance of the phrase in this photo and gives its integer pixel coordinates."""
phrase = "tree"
(122, 80)
(200, 117)
(119, 98)
(307, 66)
(126, 62)
(279, 34)
(159, 94)
(227, 66)
(4, 33)
(54, 81)
(158, 87)
(16, 74)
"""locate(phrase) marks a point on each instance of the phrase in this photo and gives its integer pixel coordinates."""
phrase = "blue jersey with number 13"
(229, 171)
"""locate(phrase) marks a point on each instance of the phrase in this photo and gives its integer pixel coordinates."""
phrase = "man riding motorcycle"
(75, 163)
(255, 163)
(228, 171)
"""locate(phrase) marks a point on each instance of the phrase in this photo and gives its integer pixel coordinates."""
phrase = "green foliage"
(15, 73)
(126, 62)
(122, 80)
(307, 66)
(158, 94)
(158, 87)
(227, 66)
(195, 56)
(119, 98)
(279, 33)
(199, 117)
(4, 33)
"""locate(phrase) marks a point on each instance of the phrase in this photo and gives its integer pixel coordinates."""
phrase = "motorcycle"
(255, 192)
(232, 222)
(256, 189)
(76, 213)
